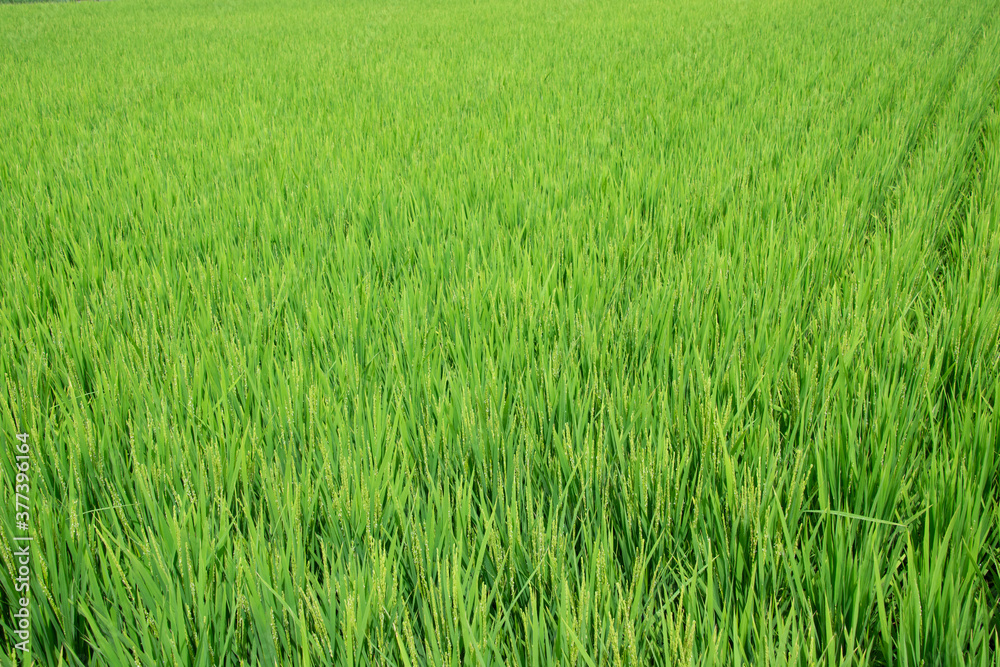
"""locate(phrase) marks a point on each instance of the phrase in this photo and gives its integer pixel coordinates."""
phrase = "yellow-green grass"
(515, 333)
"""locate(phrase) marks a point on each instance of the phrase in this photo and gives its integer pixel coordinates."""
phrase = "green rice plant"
(577, 333)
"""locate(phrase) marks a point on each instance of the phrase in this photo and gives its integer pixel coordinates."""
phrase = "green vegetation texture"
(653, 332)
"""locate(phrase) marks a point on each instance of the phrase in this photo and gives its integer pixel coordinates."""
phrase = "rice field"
(637, 332)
